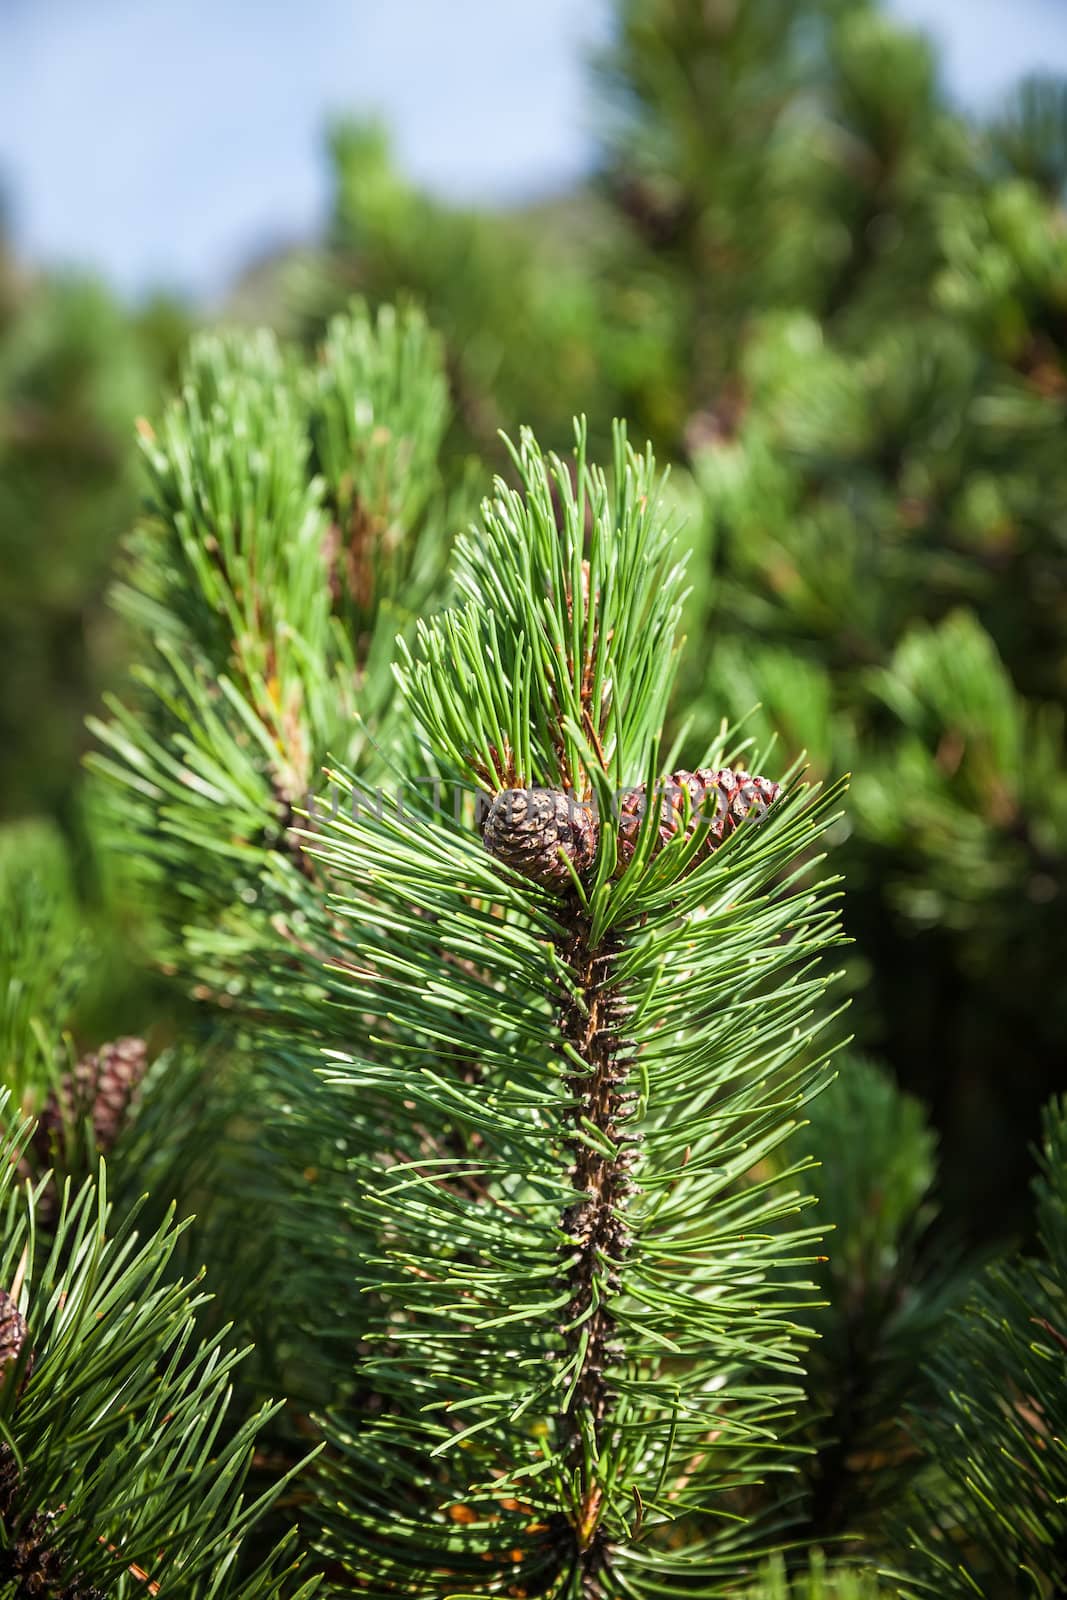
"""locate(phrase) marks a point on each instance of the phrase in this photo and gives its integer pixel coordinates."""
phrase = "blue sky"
(164, 142)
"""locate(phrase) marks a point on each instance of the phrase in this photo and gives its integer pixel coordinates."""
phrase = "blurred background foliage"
(75, 369)
(839, 308)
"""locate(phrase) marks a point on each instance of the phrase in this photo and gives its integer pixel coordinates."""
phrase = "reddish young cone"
(721, 796)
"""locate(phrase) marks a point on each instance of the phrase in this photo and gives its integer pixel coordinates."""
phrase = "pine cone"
(13, 1331)
(101, 1086)
(31, 1563)
(35, 1567)
(537, 831)
(686, 798)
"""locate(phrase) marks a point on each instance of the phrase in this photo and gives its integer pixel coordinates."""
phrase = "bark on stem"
(593, 1022)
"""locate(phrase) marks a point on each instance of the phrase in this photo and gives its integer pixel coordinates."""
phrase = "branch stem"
(591, 1021)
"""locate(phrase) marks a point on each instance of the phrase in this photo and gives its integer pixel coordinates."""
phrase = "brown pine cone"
(537, 831)
(13, 1331)
(687, 798)
(31, 1562)
(101, 1086)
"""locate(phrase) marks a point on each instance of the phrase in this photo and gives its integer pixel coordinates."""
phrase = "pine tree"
(503, 1128)
(867, 295)
(524, 310)
(887, 1281)
(294, 525)
(472, 996)
(119, 1469)
(483, 1066)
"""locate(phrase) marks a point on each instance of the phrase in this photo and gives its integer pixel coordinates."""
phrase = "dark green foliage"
(887, 1284)
(878, 443)
(462, 987)
(121, 1463)
(526, 320)
(1030, 136)
(296, 521)
(989, 1518)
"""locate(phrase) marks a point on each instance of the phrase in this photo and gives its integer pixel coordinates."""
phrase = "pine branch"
(888, 1288)
(116, 1461)
(259, 653)
(45, 958)
(577, 1323)
(989, 1516)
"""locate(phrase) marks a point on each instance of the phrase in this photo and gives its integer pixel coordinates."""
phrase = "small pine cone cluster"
(31, 1563)
(34, 1567)
(101, 1087)
(31, 1567)
(538, 831)
(13, 1331)
(721, 797)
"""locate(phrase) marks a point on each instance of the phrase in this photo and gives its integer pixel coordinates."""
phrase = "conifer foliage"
(115, 1460)
(295, 521)
(123, 1468)
(836, 301)
(292, 527)
(990, 1520)
(118, 1471)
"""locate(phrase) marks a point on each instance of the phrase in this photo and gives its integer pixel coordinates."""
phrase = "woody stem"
(591, 1022)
